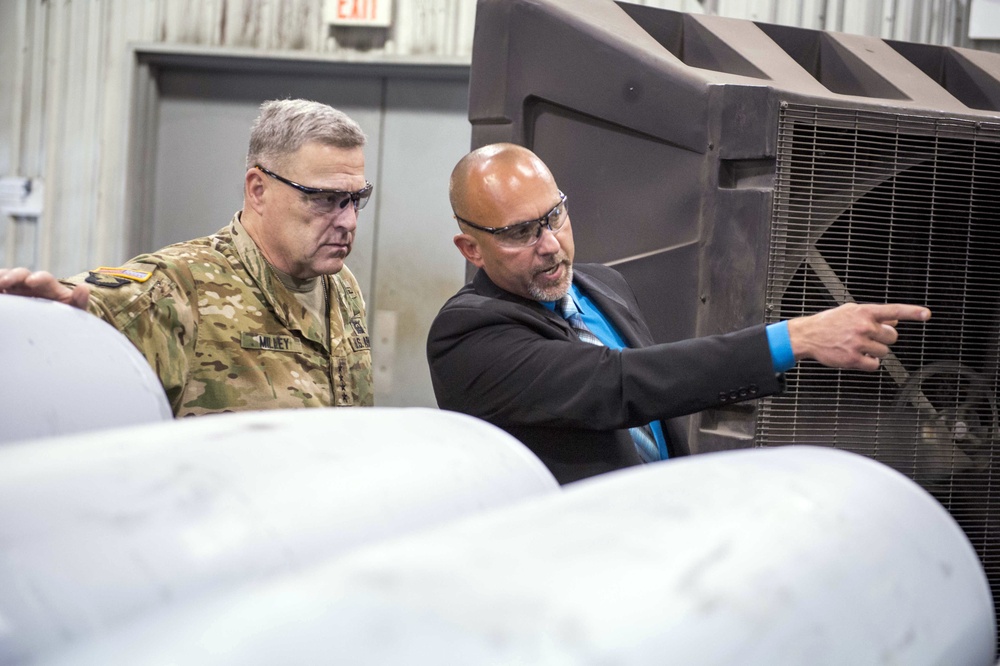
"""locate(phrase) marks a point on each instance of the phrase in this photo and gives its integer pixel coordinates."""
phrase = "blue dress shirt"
(777, 339)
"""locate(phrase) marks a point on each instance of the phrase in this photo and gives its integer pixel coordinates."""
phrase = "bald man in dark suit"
(559, 354)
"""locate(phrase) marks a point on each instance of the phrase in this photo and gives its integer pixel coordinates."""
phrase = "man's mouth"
(342, 249)
(550, 271)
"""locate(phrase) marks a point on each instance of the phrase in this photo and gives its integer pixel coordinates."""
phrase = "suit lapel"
(636, 334)
(484, 286)
(611, 303)
(614, 307)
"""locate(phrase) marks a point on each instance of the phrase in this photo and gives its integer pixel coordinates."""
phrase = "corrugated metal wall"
(66, 76)
(67, 70)
(929, 21)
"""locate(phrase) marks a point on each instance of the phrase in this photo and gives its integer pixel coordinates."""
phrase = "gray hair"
(285, 125)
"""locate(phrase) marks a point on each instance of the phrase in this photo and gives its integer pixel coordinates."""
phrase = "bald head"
(487, 180)
(506, 185)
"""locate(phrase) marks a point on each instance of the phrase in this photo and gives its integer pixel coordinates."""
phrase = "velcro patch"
(359, 326)
(360, 342)
(109, 281)
(283, 343)
(122, 272)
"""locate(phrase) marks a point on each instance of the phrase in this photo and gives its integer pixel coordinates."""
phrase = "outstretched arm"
(41, 284)
(851, 335)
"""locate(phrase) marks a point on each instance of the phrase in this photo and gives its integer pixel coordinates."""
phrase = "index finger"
(10, 277)
(890, 312)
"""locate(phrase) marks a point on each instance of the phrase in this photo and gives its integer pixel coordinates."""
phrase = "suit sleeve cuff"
(781, 347)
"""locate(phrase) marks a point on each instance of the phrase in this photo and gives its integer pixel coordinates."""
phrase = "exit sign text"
(373, 13)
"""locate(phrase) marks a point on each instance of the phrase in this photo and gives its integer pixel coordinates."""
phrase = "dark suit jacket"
(510, 361)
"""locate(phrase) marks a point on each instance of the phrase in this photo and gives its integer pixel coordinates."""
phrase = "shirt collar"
(574, 291)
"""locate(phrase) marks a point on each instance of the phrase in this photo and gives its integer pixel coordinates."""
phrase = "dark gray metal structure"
(739, 173)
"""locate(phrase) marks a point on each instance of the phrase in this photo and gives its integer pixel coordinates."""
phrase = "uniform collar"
(281, 300)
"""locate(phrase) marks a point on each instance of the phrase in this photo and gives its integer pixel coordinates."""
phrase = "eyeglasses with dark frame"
(323, 201)
(526, 234)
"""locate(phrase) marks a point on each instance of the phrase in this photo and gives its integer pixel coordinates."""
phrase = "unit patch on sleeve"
(360, 340)
(116, 276)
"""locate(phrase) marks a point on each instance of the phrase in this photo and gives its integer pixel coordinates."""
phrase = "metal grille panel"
(880, 207)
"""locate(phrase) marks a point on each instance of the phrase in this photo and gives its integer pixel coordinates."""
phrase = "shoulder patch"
(360, 340)
(109, 281)
(124, 273)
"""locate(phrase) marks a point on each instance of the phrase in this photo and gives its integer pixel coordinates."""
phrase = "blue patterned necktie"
(645, 442)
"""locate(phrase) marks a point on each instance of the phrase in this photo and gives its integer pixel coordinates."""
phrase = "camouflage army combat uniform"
(224, 334)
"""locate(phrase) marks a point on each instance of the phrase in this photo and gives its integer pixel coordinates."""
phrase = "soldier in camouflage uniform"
(263, 314)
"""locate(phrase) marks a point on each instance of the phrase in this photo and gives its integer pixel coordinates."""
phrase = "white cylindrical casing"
(66, 371)
(788, 556)
(101, 528)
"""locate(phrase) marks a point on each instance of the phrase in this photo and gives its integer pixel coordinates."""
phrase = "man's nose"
(347, 218)
(548, 243)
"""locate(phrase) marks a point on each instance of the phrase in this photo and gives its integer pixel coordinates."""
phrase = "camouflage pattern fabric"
(224, 334)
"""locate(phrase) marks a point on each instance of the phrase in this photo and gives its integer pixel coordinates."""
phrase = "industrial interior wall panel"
(71, 74)
(741, 172)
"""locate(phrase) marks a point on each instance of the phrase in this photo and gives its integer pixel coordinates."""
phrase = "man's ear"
(253, 189)
(469, 247)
